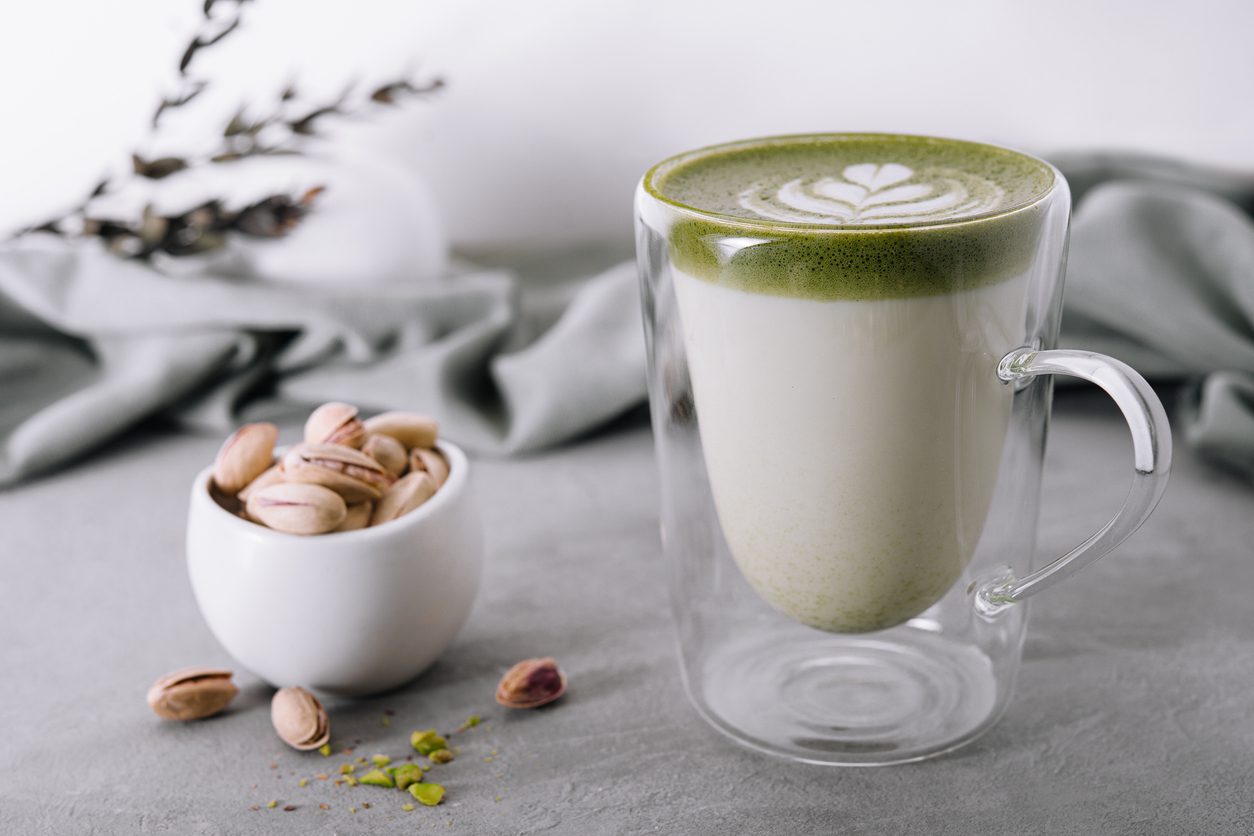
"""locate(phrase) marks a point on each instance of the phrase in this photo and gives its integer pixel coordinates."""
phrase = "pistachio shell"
(299, 719)
(192, 693)
(420, 458)
(243, 457)
(358, 516)
(531, 683)
(408, 428)
(298, 508)
(268, 477)
(334, 423)
(352, 474)
(407, 494)
(387, 451)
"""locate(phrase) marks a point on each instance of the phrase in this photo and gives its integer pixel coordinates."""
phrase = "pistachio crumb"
(287, 808)
(441, 756)
(352, 809)
(362, 760)
(304, 782)
(254, 807)
(365, 805)
(378, 778)
(322, 776)
(385, 720)
(325, 750)
(381, 760)
(272, 804)
(427, 741)
(487, 759)
(351, 781)
(428, 794)
(274, 766)
(408, 808)
(324, 806)
(346, 768)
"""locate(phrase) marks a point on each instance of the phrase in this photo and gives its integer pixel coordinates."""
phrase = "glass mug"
(850, 487)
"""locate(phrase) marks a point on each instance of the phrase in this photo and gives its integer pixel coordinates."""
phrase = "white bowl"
(355, 612)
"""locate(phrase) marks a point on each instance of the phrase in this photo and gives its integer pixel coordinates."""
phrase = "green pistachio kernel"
(272, 804)
(381, 760)
(377, 778)
(428, 794)
(304, 782)
(441, 756)
(410, 773)
(472, 721)
(325, 750)
(350, 780)
(408, 808)
(346, 768)
(427, 741)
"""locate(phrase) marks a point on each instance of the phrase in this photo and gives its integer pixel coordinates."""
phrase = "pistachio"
(298, 509)
(406, 774)
(407, 494)
(299, 719)
(531, 683)
(192, 693)
(441, 756)
(350, 473)
(420, 458)
(248, 452)
(268, 477)
(358, 516)
(377, 778)
(428, 794)
(387, 451)
(426, 741)
(408, 428)
(335, 423)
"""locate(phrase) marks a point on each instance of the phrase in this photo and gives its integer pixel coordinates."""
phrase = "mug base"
(901, 695)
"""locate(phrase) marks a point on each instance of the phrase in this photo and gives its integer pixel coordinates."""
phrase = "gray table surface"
(1133, 711)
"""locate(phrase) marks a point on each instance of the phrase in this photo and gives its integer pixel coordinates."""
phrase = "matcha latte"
(845, 300)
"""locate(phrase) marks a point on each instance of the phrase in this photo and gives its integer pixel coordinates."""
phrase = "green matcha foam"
(852, 216)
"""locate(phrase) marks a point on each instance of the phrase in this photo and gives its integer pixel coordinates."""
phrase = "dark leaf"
(188, 53)
(158, 168)
(237, 125)
(304, 126)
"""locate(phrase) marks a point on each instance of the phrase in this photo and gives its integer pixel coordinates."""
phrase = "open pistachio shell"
(407, 494)
(387, 451)
(335, 423)
(420, 458)
(350, 473)
(297, 508)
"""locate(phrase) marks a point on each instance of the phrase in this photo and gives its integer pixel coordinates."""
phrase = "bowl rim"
(449, 492)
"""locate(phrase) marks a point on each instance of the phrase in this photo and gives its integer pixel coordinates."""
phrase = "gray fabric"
(90, 345)
(1131, 715)
(1161, 275)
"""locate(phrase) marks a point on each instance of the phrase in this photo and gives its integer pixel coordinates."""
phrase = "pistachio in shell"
(531, 683)
(244, 456)
(350, 473)
(192, 693)
(409, 428)
(299, 719)
(387, 451)
(296, 508)
(407, 494)
(335, 423)
(421, 458)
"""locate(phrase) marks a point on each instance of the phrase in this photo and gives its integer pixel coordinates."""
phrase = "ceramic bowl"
(355, 612)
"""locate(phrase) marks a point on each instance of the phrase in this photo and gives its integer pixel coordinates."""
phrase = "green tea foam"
(853, 216)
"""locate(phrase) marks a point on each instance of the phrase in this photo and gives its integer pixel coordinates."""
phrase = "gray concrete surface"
(1134, 714)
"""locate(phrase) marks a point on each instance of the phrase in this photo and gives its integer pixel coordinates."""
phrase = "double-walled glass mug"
(852, 341)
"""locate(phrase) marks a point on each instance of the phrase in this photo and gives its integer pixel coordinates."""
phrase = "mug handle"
(1151, 452)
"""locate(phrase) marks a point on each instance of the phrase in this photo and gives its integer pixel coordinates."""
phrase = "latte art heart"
(874, 193)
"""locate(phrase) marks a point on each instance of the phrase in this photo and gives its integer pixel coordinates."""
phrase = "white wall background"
(553, 109)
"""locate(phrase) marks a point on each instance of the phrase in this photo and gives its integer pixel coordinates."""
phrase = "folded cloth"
(1161, 275)
(91, 344)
